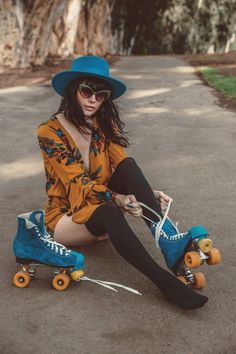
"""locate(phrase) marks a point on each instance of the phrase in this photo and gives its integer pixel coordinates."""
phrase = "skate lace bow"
(52, 244)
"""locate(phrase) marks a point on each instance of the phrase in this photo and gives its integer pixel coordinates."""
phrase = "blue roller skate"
(34, 246)
(183, 251)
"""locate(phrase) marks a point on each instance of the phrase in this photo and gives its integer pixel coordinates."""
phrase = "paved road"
(185, 145)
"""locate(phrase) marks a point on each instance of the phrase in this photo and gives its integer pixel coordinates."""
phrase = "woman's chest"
(83, 144)
(81, 141)
(91, 149)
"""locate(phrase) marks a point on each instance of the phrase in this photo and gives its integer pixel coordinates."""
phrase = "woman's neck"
(89, 119)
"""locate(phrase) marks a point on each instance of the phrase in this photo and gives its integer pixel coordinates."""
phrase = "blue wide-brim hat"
(90, 65)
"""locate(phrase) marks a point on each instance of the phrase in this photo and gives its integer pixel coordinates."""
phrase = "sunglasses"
(87, 92)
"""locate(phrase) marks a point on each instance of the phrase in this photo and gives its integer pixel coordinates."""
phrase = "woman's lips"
(89, 108)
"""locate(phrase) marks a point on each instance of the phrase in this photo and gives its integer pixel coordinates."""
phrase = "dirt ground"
(38, 74)
(225, 63)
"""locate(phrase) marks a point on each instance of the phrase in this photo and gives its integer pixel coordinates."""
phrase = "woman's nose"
(92, 98)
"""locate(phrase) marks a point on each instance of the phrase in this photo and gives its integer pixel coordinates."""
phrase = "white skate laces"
(63, 251)
(52, 244)
(158, 225)
(177, 236)
(107, 284)
(57, 247)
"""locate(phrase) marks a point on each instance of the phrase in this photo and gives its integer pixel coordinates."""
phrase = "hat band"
(92, 70)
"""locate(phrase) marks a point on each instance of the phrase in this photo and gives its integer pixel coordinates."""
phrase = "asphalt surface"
(185, 144)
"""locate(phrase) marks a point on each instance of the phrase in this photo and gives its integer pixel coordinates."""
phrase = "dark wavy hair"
(107, 115)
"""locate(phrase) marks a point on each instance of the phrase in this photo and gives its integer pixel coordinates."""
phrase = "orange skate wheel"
(182, 279)
(192, 259)
(77, 274)
(199, 281)
(205, 245)
(21, 279)
(61, 281)
(214, 256)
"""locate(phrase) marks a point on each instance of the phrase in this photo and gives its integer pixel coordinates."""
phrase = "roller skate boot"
(184, 251)
(33, 246)
(37, 218)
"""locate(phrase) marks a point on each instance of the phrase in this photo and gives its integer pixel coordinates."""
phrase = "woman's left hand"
(162, 198)
(135, 208)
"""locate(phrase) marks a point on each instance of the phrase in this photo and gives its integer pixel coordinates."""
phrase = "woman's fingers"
(131, 202)
(136, 213)
(134, 205)
(160, 194)
(163, 206)
(163, 197)
(131, 205)
(132, 198)
(128, 203)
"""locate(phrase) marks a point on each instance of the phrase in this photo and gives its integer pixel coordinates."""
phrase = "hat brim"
(61, 80)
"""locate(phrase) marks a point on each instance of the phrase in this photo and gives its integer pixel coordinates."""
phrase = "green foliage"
(225, 84)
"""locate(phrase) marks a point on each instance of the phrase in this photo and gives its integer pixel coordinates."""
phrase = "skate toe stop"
(77, 274)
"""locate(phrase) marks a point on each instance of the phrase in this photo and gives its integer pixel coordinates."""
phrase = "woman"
(91, 182)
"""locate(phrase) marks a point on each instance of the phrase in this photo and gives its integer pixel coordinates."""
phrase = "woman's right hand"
(123, 200)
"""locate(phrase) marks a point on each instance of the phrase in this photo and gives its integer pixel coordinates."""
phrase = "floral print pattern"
(72, 188)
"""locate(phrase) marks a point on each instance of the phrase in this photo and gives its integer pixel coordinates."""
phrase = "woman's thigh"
(69, 233)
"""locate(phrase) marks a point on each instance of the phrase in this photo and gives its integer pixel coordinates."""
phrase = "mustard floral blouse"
(70, 187)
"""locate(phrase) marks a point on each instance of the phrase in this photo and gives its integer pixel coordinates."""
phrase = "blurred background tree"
(33, 30)
(175, 26)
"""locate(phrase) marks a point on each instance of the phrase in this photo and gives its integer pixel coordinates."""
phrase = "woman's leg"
(109, 218)
(71, 234)
(129, 179)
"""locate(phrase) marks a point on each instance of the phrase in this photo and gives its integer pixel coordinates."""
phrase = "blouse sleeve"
(70, 170)
(116, 153)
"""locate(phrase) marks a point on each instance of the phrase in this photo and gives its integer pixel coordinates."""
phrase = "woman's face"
(89, 105)
(91, 93)
(87, 99)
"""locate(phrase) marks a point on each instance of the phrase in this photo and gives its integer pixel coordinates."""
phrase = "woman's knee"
(126, 164)
(69, 233)
(112, 210)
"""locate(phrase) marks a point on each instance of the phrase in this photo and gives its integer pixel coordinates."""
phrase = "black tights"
(108, 218)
